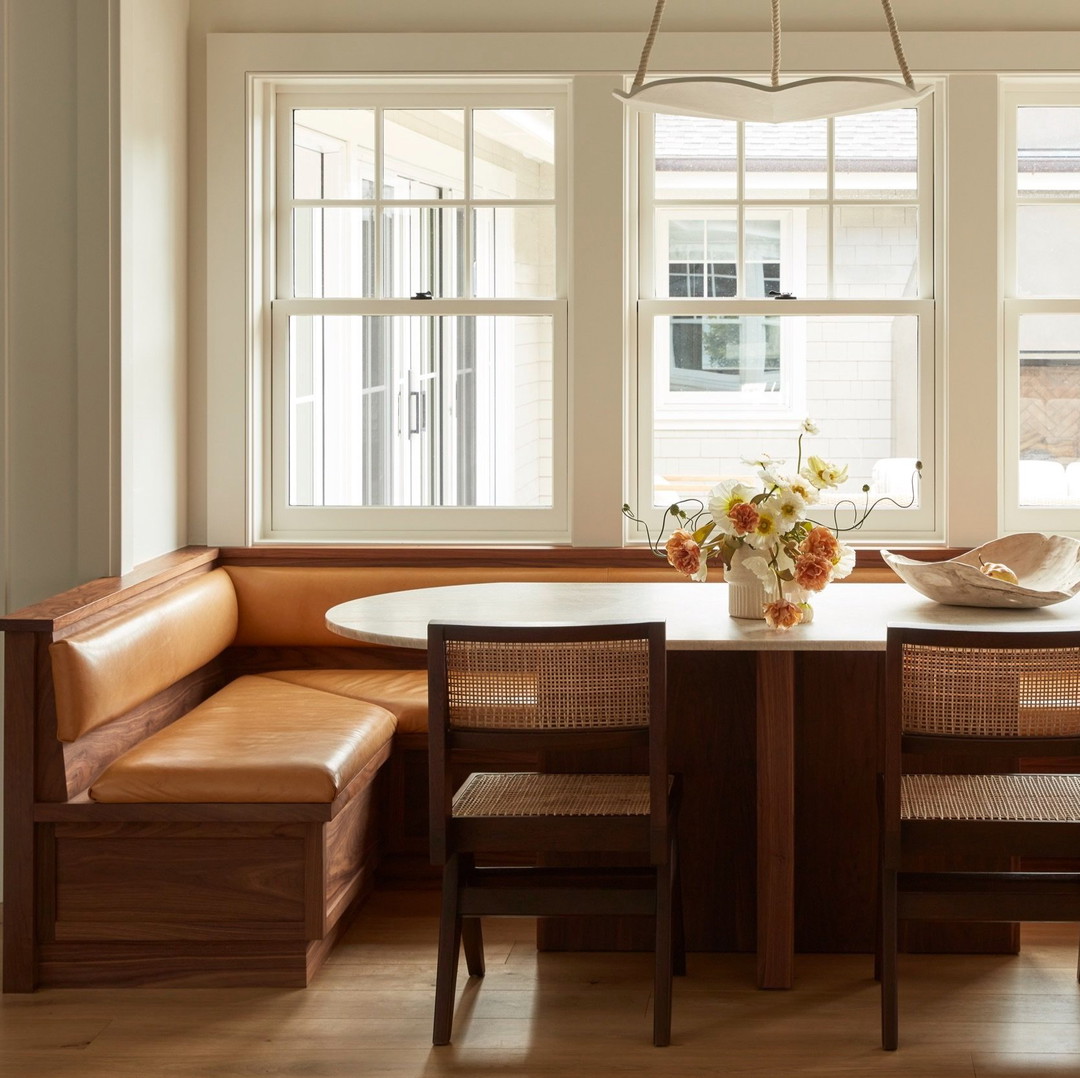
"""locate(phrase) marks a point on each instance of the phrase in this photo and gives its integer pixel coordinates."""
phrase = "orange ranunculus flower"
(822, 543)
(782, 614)
(813, 572)
(683, 552)
(744, 516)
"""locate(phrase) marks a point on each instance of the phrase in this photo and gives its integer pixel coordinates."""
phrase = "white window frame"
(898, 526)
(281, 521)
(1018, 518)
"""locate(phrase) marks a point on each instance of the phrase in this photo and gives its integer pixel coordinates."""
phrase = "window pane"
(514, 250)
(333, 153)
(725, 355)
(877, 154)
(399, 410)
(1049, 394)
(699, 255)
(1047, 239)
(514, 153)
(1048, 150)
(695, 158)
(861, 387)
(333, 252)
(423, 250)
(761, 256)
(424, 153)
(787, 160)
(876, 252)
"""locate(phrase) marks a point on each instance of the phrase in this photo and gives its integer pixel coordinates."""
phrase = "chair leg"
(678, 930)
(877, 931)
(472, 936)
(449, 949)
(890, 1016)
(877, 883)
(663, 957)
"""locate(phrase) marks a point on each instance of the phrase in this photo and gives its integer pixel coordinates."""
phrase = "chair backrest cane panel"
(557, 687)
(548, 685)
(991, 692)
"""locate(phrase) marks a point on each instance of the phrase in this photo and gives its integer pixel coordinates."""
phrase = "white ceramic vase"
(746, 596)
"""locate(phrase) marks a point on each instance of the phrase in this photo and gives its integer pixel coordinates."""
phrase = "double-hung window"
(787, 271)
(418, 352)
(1042, 309)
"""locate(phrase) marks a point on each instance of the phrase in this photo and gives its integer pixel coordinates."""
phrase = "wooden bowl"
(1047, 568)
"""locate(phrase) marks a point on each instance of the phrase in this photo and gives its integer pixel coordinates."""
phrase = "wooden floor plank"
(553, 1015)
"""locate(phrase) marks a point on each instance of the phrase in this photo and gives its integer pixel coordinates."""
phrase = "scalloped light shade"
(737, 99)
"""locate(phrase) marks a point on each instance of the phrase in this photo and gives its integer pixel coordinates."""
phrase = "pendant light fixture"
(728, 98)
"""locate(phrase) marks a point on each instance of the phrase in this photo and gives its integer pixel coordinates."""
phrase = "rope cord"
(776, 42)
(658, 14)
(897, 45)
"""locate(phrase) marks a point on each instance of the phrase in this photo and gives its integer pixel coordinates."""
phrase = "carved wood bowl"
(1047, 568)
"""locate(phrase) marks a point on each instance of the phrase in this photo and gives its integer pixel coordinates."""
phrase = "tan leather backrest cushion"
(121, 662)
(285, 606)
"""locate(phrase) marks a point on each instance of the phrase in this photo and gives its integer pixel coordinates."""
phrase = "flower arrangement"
(766, 534)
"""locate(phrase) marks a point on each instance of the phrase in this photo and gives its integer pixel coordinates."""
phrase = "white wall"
(40, 409)
(153, 197)
(64, 495)
(95, 313)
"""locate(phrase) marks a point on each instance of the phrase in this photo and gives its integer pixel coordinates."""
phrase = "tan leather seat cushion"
(258, 740)
(105, 671)
(404, 693)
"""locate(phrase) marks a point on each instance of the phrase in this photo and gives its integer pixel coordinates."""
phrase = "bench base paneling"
(211, 904)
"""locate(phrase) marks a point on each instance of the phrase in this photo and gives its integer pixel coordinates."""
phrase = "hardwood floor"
(368, 1015)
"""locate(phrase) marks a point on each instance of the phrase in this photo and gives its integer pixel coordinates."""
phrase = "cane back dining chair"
(983, 701)
(551, 689)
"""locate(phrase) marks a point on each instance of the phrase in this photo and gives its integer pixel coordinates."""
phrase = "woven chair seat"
(1051, 798)
(529, 794)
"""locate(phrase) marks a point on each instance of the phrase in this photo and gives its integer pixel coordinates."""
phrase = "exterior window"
(1042, 311)
(786, 271)
(418, 350)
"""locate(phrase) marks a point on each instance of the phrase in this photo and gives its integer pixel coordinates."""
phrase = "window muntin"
(839, 215)
(377, 408)
(1042, 311)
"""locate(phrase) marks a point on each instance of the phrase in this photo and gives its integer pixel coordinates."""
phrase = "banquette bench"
(198, 775)
(201, 779)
